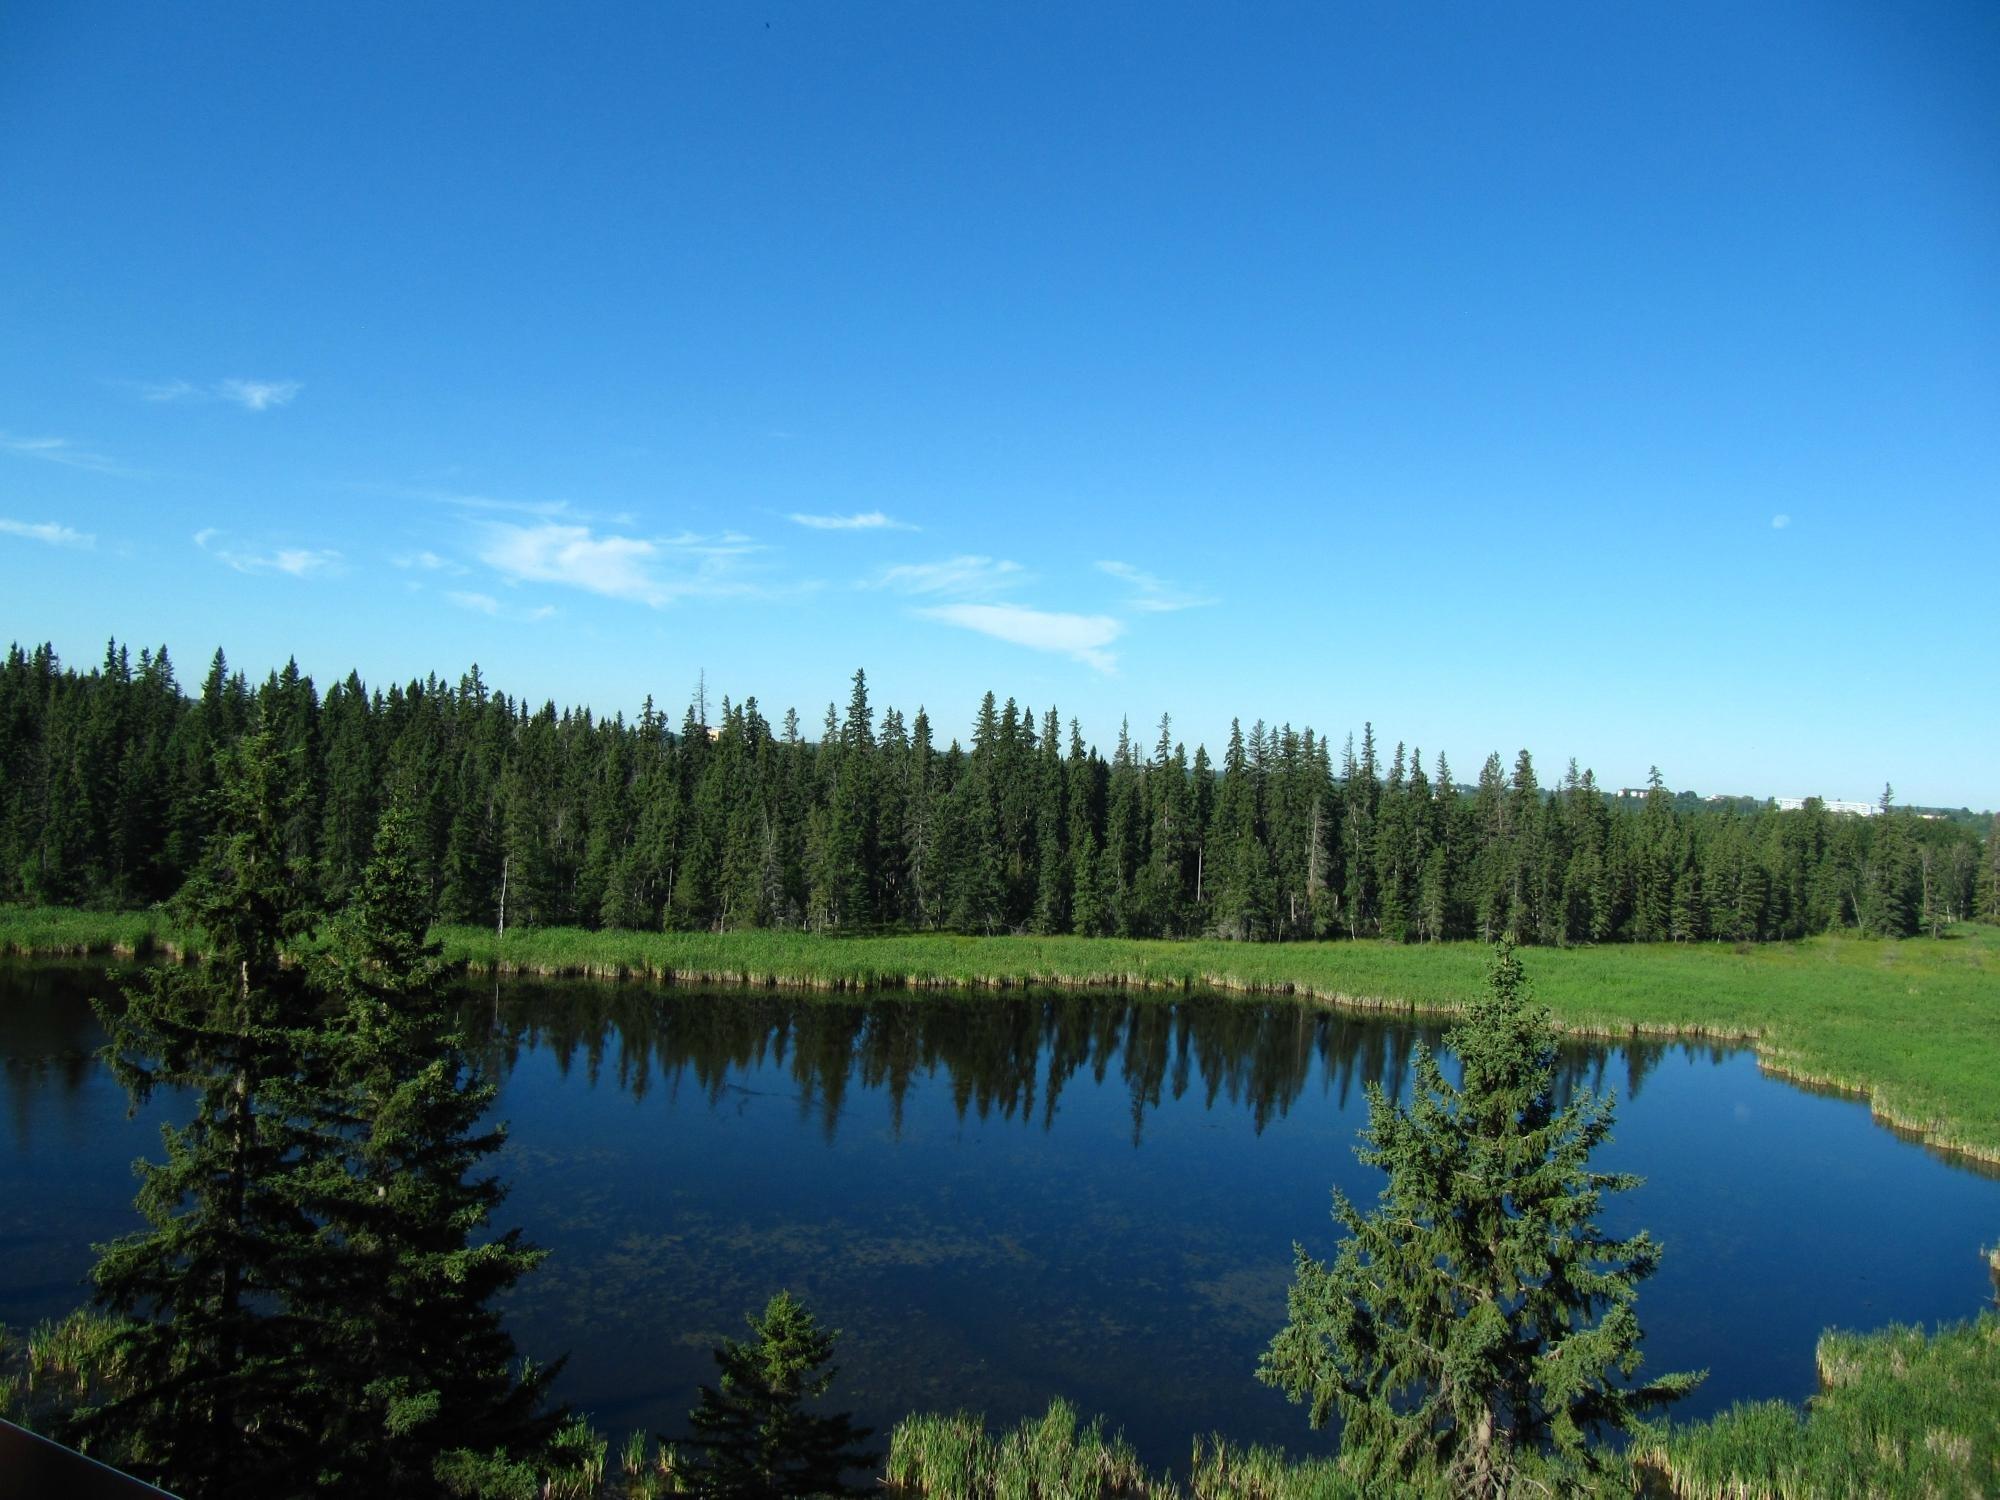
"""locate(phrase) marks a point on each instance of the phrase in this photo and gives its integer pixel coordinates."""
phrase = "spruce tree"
(421, 1362)
(219, 1392)
(1477, 1324)
(753, 1429)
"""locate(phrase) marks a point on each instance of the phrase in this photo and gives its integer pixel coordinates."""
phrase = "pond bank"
(1913, 1026)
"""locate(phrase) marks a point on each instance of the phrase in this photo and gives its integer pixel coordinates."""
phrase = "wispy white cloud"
(1083, 638)
(428, 562)
(55, 450)
(646, 570)
(251, 395)
(259, 395)
(47, 531)
(617, 566)
(547, 509)
(867, 520)
(295, 562)
(476, 504)
(1150, 594)
(168, 390)
(486, 604)
(1780, 521)
(967, 576)
(722, 544)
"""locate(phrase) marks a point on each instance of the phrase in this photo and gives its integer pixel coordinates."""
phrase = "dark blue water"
(1002, 1198)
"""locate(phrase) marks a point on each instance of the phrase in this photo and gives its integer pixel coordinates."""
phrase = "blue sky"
(1618, 381)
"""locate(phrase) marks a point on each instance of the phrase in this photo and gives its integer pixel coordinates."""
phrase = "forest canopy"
(547, 816)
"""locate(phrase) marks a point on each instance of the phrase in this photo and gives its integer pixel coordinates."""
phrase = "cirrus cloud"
(294, 562)
(1150, 594)
(56, 450)
(427, 562)
(870, 520)
(251, 395)
(55, 534)
(1082, 638)
(646, 570)
(967, 574)
(486, 604)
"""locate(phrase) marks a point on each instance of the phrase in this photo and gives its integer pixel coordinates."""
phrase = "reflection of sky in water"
(1001, 1197)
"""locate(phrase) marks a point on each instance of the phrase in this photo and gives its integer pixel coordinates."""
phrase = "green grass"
(1054, 1457)
(57, 931)
(1913, 1026)
(1899, 1413)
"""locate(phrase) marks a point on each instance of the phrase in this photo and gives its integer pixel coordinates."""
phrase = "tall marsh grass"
(58, 931)
(1057, 1457)
(1900, 1412)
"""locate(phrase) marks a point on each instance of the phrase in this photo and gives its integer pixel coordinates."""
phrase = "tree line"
(541, 816)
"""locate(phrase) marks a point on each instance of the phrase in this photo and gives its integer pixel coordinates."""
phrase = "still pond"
(1004, 1197)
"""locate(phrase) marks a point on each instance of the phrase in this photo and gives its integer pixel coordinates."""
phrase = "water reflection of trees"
(1003, 1054)
(51, 1037)
(1007, 1055)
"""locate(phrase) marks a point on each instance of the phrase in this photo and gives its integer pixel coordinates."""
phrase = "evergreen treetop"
(753, 1427)
(1477, 1324)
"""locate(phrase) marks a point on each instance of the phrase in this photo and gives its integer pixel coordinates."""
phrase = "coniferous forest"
(874, 820)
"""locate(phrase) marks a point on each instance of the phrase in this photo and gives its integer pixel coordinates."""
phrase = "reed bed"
(63, 1363)
(1900, 1412)
(1046, 1458)
(61, 932)
(1056, 1457)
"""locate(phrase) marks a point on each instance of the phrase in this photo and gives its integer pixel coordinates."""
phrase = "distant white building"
(1831, 804)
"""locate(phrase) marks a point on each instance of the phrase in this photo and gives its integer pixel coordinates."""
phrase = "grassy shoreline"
(1912, 1026)
(1900, 1411)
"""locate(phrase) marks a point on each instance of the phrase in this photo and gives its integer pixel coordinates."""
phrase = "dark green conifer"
(755, 1429)
(218, 1396)
(418, 1362)
(1477, 1324)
